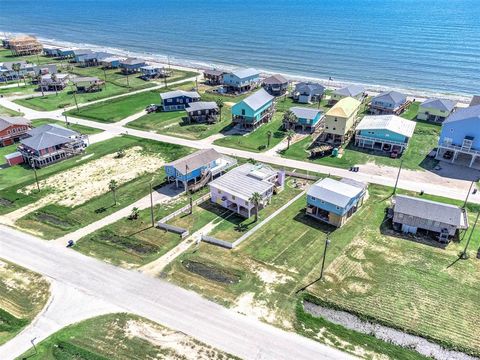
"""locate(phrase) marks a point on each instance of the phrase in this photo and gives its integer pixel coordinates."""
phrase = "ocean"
(432, 46)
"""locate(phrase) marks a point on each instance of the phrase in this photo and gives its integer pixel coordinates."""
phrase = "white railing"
(385, 141)
(459, 148)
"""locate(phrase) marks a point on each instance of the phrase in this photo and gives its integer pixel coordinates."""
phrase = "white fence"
(184, 209)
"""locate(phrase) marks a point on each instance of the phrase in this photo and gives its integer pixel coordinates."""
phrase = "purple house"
(234, 190)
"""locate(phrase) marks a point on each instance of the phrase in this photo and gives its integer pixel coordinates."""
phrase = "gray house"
(307, 92)
(389, 102)
(354, 91)
(275, 85)
(411, 214)
(435, 110)
(202, 111)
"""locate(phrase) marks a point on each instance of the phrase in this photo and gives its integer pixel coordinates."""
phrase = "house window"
(336, 119)
(447, 141)
(400, 216)
(180, 101)
(169, 100)
(219, 191)
(243, 112)
(233, 197)
(338, 207)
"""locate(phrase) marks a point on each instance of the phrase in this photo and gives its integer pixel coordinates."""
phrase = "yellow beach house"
(340, 120)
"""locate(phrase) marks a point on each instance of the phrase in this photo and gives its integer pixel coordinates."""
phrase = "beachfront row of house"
(249, 188)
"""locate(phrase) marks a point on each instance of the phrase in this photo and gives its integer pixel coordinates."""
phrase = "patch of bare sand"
(270, 277)
(179, 345)
(76, 186)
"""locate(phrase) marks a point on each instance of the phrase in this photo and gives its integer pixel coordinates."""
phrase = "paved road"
(159, 301)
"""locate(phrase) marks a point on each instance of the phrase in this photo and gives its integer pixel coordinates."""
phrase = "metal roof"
(178, 93)
(201, 105)
(258, 99)
(47, 136)
(245, 180)
(310, 88)
(7, 121)
(391, 123)
(430, 210)
(350, 90)
(439, 104)
(213, 72)
(194, 161)
(304, 112)
(475, 100)
(344, 108)
(132, 61)
(391, 96)
(275, 79)
(244, 73)
(89, 79)
(469, 113)
(338, 193)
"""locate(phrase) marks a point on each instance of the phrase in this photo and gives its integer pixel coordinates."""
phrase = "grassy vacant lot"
(23, 294)
(423, 141)
(18, 90)
(258, 140)
(53, 220)
(6, 56)
(122, 336)
(367, 270)
(171, 123)
(75, 127)
(8, 112)
(133, 243)
(120, 108)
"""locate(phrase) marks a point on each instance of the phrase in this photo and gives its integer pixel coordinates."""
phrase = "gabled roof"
(430, 210)
(177, 93)
(439, 104)
(338, 193)
(310, 88)
(304, 112)
(132, 61)
(201, 105)
(213, 72)
(391, 96)
(392, 123)
(81, 79)
(350, 90)
(9, 64)
(469, 113)
(244, 73)
(7, 121)
(112, 59)
(475, 100)
(257, 99)
(275, 79)
(194, 161)
(245, 180)
(344, 108)
(47, 136)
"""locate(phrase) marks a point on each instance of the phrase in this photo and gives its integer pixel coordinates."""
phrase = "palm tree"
(256, 198)
(290, 136)
(39, 80)
(269, 137)
(288, 119)
(54, 82)
(112, 186)
(220, 106)
(17, 67)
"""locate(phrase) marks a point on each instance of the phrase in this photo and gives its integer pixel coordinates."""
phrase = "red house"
(13, 129)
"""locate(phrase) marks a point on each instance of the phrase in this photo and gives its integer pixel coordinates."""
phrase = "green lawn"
(120, 108)
(6, 56)
(171, 123)
(415, 157)
(388, 278)
(75, 127)
(8, 112)
(18, 90)
(133, 243)
(121, 336)
(54, 220)
(23, 294)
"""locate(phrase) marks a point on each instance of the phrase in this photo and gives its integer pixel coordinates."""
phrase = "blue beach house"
(460, 138)
(254, 110)
(178, 99)
(196, 170)
(66, 53)
(241, 80)
(306, 119)
(388, 102)
(384, 132)
(334, 202)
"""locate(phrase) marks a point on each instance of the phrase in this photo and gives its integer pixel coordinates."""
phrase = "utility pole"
(398, 177)
(65, 114)
(327, 242)
(464, 253)
(151, 204)
(468, 194)
(75, 98)
(33, 344)
(36, 176)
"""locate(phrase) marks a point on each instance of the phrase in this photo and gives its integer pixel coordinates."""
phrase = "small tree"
(39, 80)
(134, 213)
(256, 198)
(54, 82)
(120, 153)
(112, 186)
(289, 118)
(220, 106)
(269, 137)
(290, 136)
(17, 67)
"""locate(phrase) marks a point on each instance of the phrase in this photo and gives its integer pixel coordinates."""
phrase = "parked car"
(394, 154)
(448, 155)
(152, 108)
